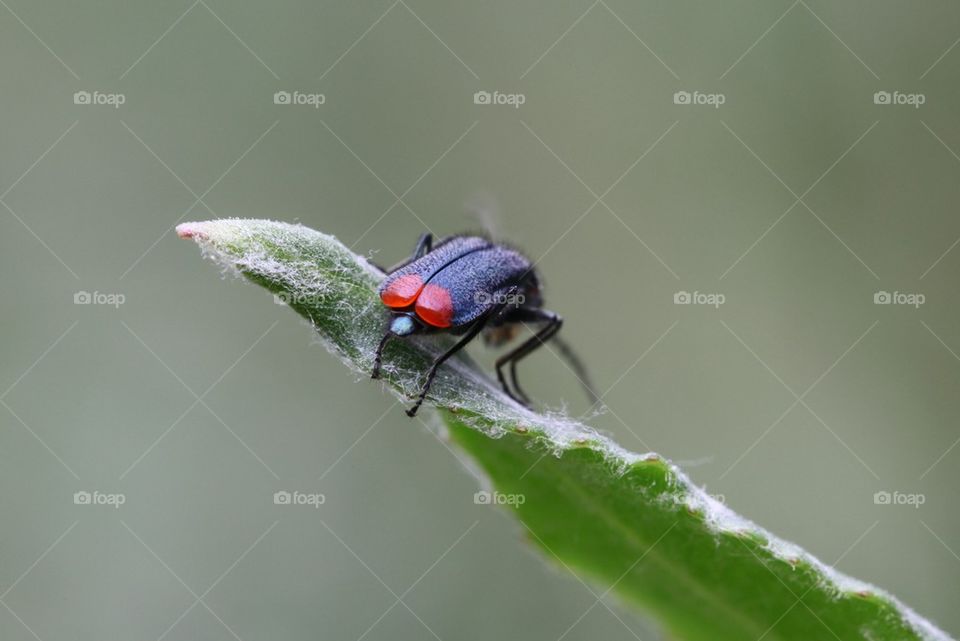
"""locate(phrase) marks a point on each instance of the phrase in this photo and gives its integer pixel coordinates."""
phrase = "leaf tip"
(190, 230)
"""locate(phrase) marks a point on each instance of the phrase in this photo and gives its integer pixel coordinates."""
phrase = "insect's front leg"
(466, 338)
(378, 357)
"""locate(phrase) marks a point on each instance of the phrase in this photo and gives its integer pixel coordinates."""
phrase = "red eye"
(403, 291)
(435, 306)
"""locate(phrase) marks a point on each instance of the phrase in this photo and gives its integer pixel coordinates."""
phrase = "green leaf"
(633, 524)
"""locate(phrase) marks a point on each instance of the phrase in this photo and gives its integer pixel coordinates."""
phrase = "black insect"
(463, 286)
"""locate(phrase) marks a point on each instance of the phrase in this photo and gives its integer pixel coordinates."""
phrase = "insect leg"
(424, 245)
(471, 333)
(466, 338)
(549, 332)
(553, 324)
(579, 369)
(542, 337)
(379, 355)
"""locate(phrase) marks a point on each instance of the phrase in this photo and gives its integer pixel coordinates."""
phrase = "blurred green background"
(798, 199)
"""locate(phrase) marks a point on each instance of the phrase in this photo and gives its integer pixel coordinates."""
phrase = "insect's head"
(404, 324)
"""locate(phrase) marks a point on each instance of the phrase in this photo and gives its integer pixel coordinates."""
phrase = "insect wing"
(402, 286)
(478, 281)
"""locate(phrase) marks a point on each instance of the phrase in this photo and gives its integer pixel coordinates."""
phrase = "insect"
(465, 286)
